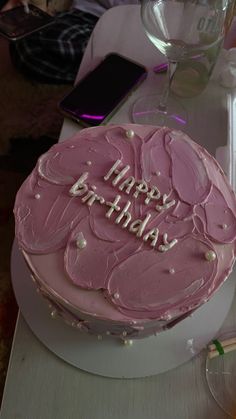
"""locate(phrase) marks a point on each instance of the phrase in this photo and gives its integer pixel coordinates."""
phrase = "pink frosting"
(132, 279)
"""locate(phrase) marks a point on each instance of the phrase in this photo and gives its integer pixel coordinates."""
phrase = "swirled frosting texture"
(132, 277)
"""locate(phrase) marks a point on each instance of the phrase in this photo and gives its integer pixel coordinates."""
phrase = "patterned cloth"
(53, 55)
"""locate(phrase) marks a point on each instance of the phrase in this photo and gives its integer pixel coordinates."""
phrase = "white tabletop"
(41, 386)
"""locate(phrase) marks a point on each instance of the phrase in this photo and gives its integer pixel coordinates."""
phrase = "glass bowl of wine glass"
(181, 30)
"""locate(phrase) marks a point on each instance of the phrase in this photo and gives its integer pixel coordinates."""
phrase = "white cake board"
(110, 358)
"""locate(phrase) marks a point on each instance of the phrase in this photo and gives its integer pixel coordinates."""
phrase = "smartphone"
(98, 95)
(16, 23)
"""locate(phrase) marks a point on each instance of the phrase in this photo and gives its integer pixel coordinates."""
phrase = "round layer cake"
(127, 229)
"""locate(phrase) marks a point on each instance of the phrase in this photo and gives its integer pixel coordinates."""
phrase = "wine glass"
(181, 30)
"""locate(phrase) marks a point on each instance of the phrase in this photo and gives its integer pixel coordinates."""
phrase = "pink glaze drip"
(131, 278)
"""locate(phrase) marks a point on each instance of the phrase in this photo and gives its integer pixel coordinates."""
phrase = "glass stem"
(172, 65)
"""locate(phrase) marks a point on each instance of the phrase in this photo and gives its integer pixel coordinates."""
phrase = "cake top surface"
(142, 214)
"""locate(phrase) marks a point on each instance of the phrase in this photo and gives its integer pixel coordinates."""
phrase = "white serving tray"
(108, 357)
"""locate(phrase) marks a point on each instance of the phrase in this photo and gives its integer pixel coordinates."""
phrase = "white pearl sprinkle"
(88, 163)
(72, 146)
(37, 196)
(116, 295)
(99, 337)
(224, 226)
(167, 317)
(128, 342)
(210, 256)
(171, 271)
(81, 242)
(158, 173)
(129, 133)
(93, 187)
(53, 314)
(78, 325)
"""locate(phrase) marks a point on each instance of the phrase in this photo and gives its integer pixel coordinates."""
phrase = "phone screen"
(102, 90)
(16, 23)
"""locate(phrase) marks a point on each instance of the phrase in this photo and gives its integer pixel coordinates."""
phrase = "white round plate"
(109, 357)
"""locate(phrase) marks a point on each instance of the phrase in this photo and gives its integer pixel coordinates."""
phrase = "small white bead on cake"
(128, 342)
(53, 314)
(210, 256)
(81, 242)
(130, 134)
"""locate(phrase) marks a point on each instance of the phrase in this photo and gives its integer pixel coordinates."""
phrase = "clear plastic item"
(221, 377)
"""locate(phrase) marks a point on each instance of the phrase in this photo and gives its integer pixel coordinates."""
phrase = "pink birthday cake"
(126, 229)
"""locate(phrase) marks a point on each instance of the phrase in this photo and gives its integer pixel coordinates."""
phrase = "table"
(41, 386)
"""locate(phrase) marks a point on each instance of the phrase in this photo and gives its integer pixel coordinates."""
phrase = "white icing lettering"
(124, 216)
(141, 187)
(153, 235)
(128, 184)
(165, 205)
(88, 196)
(138, 226)
(167, 245)
(153, 194)
(124, 213)
(79, 188)
(113, 206)
(91, 197)
(120, 174)
(112, 170)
